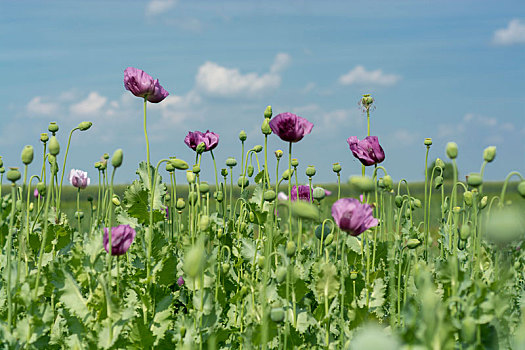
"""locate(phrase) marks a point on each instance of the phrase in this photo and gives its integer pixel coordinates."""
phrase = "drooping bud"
(438, 182)
(243, 181)
(258, 148)
(243, 136)
(319, 193)
(201, 147)
(190, 176)
(464, 233)
(310, 171)
(250, 170)
(398, 201)
(278, 154)
(53, 127)
(84, 126)
(180, 204)
(268, 112)
(452, 150)
(117, 158)
(2, 170)
(179, 164)
(467, 197)
(265, 127)
(115, 200)
(27, 154)
(54, 146)
(269, 195)
(440, 163)
(388, 183)
(44, 137)
(428, 142)
(196, 169)
(290, 248)
(13, 175)
(321, 232)
(363, 183)
(483, 202)
(336, 167)
(105, 156)
(219, 196)
(231, 162)
(474, 180)
(521, 189)
(287, 174)
(329, 239)
(295, 162)
(41, 188)
(417, 203)
(169, 167)
(489, 154)
(413, 243)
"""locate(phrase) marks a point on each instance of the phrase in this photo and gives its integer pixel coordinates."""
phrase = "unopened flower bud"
(2, 170)
(388, 183)
(201, 147)
(84, 126)
(464, 233)
(54, 146)
(27, 154)
(290, 248)
(106, 156)
(336, 167)
(417, 203)
(180, 204)
(219, 196)
(194, 261)
(250, 170)
(363, 183)
(310, 171)
(319, 193)
(204, 187)
(257, 148)
(231, 162)
(413, 243)
(179, 164)
(398, 201)
(44, 137)
(53, 127)
(196, 169)
(243, 181)
(79, 214)
(474, 180)
(489, 154)
(13, 175)
(190, 176)
(224, 172)
(456, 210)
(268, 112)
(265, 127)
(440, 163)
(277, 314)
(169, 167)
(329, 239)
(269, 195)
(41, 188)
(243, 136)
(483, 202)
(115, 200)
(295, 162)
(286, 174)
(278, 154)
(204, 223)
(353, 275)
(117, 158)
(31, 206)
(521, 188)
(467, 197)
(90, 198)
(428, 142)
(438, 182)
(452, 150)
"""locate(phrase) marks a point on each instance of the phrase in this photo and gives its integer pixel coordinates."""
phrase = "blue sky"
(450, 70)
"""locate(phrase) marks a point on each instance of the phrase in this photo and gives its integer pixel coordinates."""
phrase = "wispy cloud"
(38, 106)
(513, 34)
(215, 80)
(360, 76)
(157, 7)
(475, 124)
(90, 105)
(329, 120)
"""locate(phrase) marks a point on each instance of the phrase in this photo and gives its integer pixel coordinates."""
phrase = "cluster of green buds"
(265, 127)
(387, 183)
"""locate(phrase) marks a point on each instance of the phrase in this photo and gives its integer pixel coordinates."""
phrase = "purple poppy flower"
(141, 84)
(78, 178)
(353, 216)
(368, 150)
(290, 127)
(304, 193)
(180, 281)
(195, 138)
(35, 193)
(121, 238)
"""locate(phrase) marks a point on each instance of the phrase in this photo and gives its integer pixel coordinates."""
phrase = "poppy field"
(261, 258)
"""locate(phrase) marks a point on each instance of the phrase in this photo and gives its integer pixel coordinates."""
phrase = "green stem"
(63, 171)
(426, 207)
(505, 183)
(8, 253)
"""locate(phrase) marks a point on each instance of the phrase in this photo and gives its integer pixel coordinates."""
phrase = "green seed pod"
(41, 188)
(280, 274)
(438, 182)
(27, 154)
(204, 188)
(204, 223)
(84, 126)
(194, 261)
(367, 101)
(413, 243)
(353, 275)
(521, 189)
(277, 314)
(269, 195)
(117, 158)
(250, 170)
(180, 205)
(243, 181)
(467, 197)
(417, 203)
(251, 217)
(116, 200)
(286, 174)
(260, 261)
(310, 171)
(319, 193)
(224, 172)
(489, 154)
(322, 234)
(53, 127)
(265, 127)
(388, 183)
(295, 162)
(79, 215)
(54, 146)
(13, 175)
(243, 136)
(483, 202)
(190, 177)
(464, 233)
(398, 201)
(329, 239)
(169, 167)
(268, 112)
(452, 150)
(363, 183)
(278, 154)
(258, 148)
(44, 137)
(179, 164)
(474, 180)
(192, 198)
(439, 163)
(428, 142)
(219, 196)
(225, 267)
(290, 248)
(231, 162)
(18, 205)
(336, 167)
(105, 156)
(196, 169)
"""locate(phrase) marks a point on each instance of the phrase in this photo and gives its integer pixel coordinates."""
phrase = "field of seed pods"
(260, 259)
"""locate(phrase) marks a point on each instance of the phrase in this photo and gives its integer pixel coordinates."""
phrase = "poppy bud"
(27, 155)
(456, 210)
(224, 172)
(278, 154)
(97, 165)
(243, 181)
(398, 201)
(53, 127)
(225, 267)
(277, 314)
(105, 156)
(190, 176)
(428, 142)
(243, 136)
(413, 243)
(41, 188)
(467, 197)
(468, 329)
(44, 137)
(231, 162)
(268, 112)
(290, 248)
(201, 147)
(194, 261)
(489, 154)
(286, 174)
(204, 188)
(440, 164)
(367, 101)
(388, 183)
(79, 214)
(260, 261)
(319, 193)
(269, 195)
(353, 275)
(310, 171)
(257, 148)
(321, 232)
(2, 170)
(169, 167)
(483, 202)
(179, 164)
(329, 239)
(196, 169)
(438, 182)
(204, 223)
(521, 189)
(474, 180)
(417, 203)
(336, 167)
(219, 196)
(464, 233)
(167, 197)
(31, 206)
(295, 162)
(54, 146)
(180, 204)
(116, 200)
(452, 150)
(84, 126)
(13, 175)
(250, 170)
(280, 274)
(363, 183)
(116, 160)
(192, 198)
(305, 210)
(265, 127)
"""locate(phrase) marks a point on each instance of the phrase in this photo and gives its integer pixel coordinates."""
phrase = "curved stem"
(63, 171)
(505, 183)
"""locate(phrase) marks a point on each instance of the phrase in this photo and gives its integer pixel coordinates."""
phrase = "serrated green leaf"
(160, 188)
(327, 283)
(72, 298)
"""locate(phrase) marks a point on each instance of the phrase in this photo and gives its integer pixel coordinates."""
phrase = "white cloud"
(360, 76)
(37, 106)
(404, 137)
(491, 128)
(332, 119)
(513, 34)
(156, 7)
(215, 80)
(91, 105)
